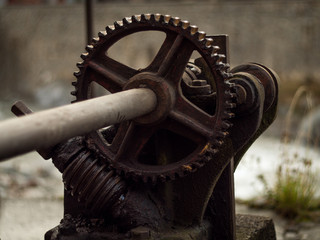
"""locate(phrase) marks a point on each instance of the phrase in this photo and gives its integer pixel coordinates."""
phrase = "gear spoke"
(121, 132)
(172, 57)
(133, 142)
(195, 119)
(114, 74)
(162, 53)
(175, 68)
(183, 130)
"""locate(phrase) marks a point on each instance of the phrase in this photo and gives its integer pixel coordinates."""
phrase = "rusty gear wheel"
(178, 137)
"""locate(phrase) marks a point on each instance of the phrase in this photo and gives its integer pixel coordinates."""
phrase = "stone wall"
(41, 44)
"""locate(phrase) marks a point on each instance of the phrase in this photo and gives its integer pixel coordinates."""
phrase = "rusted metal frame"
(222, 200)
(259, 103)
(268, 80)
(222, 204)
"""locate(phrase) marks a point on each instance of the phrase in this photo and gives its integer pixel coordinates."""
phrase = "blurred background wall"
(41, 43)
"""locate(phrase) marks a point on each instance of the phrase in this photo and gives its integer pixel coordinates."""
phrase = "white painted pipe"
(47, 128)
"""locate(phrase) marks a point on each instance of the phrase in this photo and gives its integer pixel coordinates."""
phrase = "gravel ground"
(31, 194)
(29, 219)
(29, 176)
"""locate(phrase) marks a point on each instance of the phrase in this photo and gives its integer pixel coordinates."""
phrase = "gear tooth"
(152, 17)
(230, 105)
(201, 35)
(231, 85)
(215, 56)
(74, 83)
(226, 125)
(126, 21)
(167, 18)
(187, 169)
(157, 17)
(221, 66)
(225, 68)
(110, 29)
(228, 115)
(221, 57)
(74, 93)
(145, 17)
(232, 94)
(118, 24)
(84, 56)
(193, 29)
(102, 34)
(175, 21)
(184, 24)
(89, 48)
(208, 42)
(161, 19)
(227, 75)
(215, 150)
(80, 65)
(77, 74)
(197, 165)
(224, 72)
(218, 143)
(95, 40)
(228, 93)
(209, 49)
(223, 134)
(136, 18)
(216, 49)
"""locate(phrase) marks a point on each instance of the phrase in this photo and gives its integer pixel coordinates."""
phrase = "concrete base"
(249, 227)
(70, 230)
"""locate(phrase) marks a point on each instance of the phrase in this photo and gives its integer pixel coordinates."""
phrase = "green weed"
(294, 190)
(293, 194)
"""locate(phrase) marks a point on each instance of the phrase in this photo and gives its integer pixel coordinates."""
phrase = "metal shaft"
(50, 127)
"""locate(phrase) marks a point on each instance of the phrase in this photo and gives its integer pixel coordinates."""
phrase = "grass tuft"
(294, 193)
